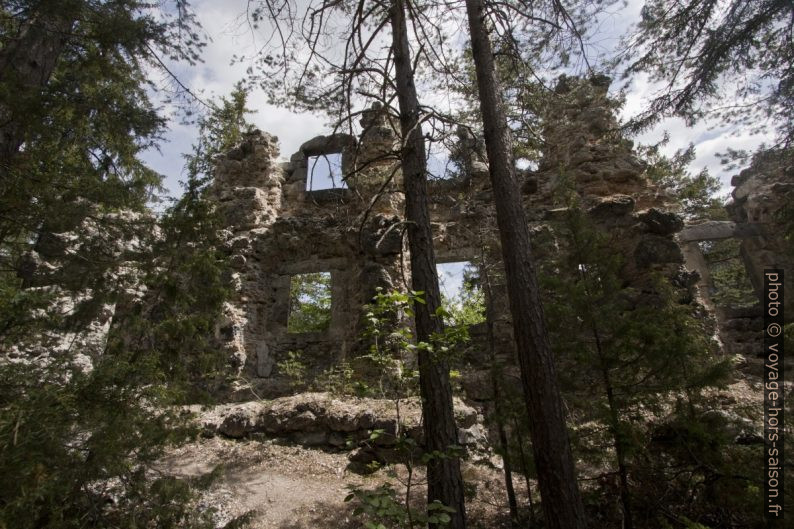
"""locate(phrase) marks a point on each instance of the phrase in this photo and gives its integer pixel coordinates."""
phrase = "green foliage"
(75, 448)
(186, 276)
(384, 510)
(696, 49)
(391, 346)
(729, 277)
(696, 194)
(78, 446)
(309, 302)
(186, 283)
(338, 379)
(625, 355)
(220, 128)
(84, 128)
(388, 370)
(466, 307)
(694, 462)
(294, 368)
(20, 310)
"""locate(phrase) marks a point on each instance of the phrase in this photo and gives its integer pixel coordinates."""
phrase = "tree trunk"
(444, 481)
(26, 64)
(524, 469)
(562, 503)
(499, 415)
(614, 416)
(620, 452)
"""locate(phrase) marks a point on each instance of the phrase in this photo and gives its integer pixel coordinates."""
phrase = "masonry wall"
(277, 228)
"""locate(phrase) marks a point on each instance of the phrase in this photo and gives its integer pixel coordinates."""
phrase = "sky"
(450, 278)
(224, 24)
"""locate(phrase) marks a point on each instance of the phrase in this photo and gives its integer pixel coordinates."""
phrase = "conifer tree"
(562, 502)
(77, 438)
(695, 48)
(634, 352)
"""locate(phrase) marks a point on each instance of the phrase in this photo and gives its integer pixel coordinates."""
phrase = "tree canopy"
(730, 60)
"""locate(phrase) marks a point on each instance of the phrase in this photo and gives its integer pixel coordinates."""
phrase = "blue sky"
(223, 21)
(450, 278)
(325, 172)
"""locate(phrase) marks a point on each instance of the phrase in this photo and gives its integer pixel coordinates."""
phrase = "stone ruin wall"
(761, 195)
(277, 229)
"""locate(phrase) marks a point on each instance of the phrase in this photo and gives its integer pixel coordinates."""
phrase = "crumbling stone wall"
(761, 216)
(761, 207)
(277, 228)
(81, 302)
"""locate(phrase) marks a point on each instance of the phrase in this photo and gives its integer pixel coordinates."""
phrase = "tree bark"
(614, 416)
(444, 481)
(561, 500)
(26, 65)
(524, 469)
(499, 414)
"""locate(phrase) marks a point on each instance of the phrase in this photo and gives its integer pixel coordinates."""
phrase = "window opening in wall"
(309, 302)
(729, 283)
(325, 172)
(461, 292)
(440, 166)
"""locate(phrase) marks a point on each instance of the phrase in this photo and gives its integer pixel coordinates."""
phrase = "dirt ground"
(286, 486)
(282, 485)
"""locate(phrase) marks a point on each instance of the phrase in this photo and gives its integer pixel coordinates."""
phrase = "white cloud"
(225, 24)
(216, 77)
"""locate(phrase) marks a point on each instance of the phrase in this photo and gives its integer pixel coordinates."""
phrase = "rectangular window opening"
(309, 302)
(325, 172)
(461, 292)
(440, 165)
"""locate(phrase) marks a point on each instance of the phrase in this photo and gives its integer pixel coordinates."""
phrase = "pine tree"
(562, 502)
(186, 277)
(696, 48)
(77, 438)
(634, 352)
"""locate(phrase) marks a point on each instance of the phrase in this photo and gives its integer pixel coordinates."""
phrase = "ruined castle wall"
(277, 229)
(761, 200)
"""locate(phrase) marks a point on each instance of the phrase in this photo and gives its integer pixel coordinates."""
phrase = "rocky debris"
(612, 206)
(75, 314)
(761, 203)
(320, 419)
(741, 330)
(479, 170)
(661, 222)
(478, 384)
(383, 235)
(654, 249)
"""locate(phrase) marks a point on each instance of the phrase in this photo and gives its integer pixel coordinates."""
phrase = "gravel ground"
(286, 486)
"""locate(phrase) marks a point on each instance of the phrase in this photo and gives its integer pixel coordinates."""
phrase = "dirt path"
(285, 486)
(282, 486)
